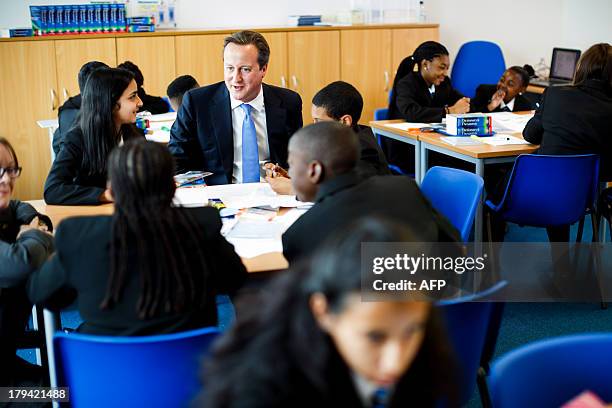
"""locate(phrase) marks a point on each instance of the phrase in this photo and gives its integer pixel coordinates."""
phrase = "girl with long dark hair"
(150, 267)
(108, 112)
(309, 341)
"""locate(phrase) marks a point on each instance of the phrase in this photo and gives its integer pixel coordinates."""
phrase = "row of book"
(469, 124)
(78, 19)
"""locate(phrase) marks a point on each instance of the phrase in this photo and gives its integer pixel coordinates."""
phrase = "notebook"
(562, 68)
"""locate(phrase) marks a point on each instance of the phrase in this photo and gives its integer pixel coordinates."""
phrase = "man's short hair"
(247, 37)
(180, 85)
(133, 68)
(338, 99)
(86, 70)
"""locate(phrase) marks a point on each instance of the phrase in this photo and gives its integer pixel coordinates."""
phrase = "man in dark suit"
(229, 127)
(322, 159)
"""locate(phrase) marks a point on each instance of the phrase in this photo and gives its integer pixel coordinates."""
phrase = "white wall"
(526, 30)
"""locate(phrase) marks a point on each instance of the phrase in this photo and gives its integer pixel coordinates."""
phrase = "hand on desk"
(461, 106)
(106, 196)
(278, 178)
(36, 223)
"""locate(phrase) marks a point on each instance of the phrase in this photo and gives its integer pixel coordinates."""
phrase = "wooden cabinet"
(29, 93)
(154, 56)
(70, 55)
(313, 61)
(405, 41)
(366, 64)
(200, 56)
(277, 67)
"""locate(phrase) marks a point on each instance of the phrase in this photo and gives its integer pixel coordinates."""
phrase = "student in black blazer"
(24, 245)
(67, 113)
(108, 111)
(309, 341)
(207, 134)
(425, 95)
(149, 268)
(322, 159)
(341, 102)
(576, 119)
(507, 95)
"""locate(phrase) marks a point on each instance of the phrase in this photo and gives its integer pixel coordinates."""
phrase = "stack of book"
(78, 19)
(469, 124)
(141, 24)
(16, 32)
(306, 20)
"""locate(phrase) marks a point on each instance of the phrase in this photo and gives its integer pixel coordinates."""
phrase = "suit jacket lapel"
(221, 119)
(276, 116)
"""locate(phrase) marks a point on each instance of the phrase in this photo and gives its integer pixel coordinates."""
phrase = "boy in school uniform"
(177, 89)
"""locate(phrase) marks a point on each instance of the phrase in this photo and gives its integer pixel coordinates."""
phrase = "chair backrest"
(477, 62)
(550, 190)
(454, 193)
(467, 324)
(150, 371)
(551, 372)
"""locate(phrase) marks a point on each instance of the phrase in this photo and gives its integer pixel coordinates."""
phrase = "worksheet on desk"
(509, 122)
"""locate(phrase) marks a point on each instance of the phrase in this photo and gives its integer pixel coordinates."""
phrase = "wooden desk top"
(382, 125)
(536, 89)
(482, 151)
(273, 261)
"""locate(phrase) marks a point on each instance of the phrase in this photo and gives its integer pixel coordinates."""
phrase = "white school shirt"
(258, 114)
(510, 105)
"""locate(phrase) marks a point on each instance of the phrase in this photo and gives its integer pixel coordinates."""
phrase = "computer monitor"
(563, 65)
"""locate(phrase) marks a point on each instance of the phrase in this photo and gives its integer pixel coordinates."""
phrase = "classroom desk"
(536, 89)
(381, 127)
(478, 155)
(273, 261)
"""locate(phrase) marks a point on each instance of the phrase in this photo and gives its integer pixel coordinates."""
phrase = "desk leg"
(479, 218)
(418, 176)
(52, 324)
(424, 161)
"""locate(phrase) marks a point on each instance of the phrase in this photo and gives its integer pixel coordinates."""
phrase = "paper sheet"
(162, 117)
(502, 140)
(159, 136)
(509, 122)
(408, 125)
(191, 196)
(460, 141)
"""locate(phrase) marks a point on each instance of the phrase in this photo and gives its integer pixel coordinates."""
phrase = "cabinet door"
(405, 41)
(200, 56)
(154, 56)
(29, 94)
(70, 55)
(277, 67)
(314, 61)
(366, 64)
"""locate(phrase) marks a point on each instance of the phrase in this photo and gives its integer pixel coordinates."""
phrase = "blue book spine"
(97, 26)
(106, 27)
(74, 19)
(141, 28)
(51, 27)
(90, 18)
(114, 9)
(59, 19)
(82, 18)
(140, 20)
(36, 19)
(121, 20)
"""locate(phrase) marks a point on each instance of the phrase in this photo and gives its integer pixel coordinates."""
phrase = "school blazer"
(202, 136)
(372, 161)
(80, 270)
(346, 198)
(575, 120)
(483, 96)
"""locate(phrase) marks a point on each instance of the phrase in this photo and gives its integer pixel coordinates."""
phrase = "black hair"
(102, 91)
(173, 276)
(595, 63)
(525, 72)
(4, 142)
(133, 68)
(180, 85)
(338, 99)
(333, 144)
(426, 51)
(86, 70)
(276, 339)
(247, 37)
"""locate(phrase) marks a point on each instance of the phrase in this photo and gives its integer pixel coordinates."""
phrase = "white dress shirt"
(258, 114)
(510, 105)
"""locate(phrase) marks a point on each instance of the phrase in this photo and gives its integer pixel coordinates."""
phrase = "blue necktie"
(380, 398)
(250, 154)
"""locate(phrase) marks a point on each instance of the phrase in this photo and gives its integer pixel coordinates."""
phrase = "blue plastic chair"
(383, 114)
(150, 371)
(467, 322)
(454, 193)
(476, 63)
(548, 191)
(551, 372)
